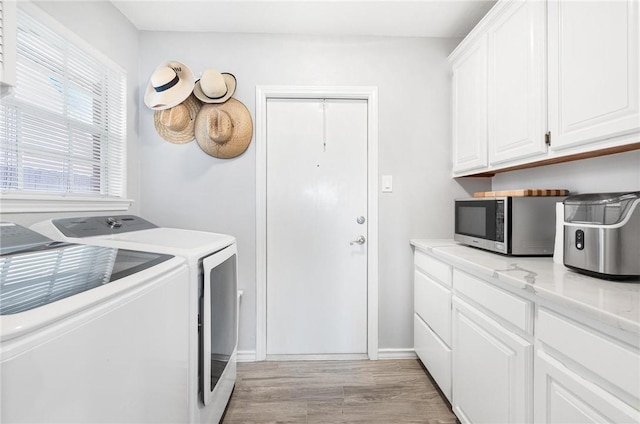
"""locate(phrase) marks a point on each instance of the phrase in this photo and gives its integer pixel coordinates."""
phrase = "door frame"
(368, 93)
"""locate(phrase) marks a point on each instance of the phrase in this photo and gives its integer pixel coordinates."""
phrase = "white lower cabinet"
(432, 318)
(563, 397)
(492, 369)
(505, 355)
(583, 375)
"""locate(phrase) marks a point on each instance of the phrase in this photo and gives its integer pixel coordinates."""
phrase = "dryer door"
(219, 322)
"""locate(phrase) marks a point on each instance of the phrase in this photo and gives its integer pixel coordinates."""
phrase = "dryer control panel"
(101, 225)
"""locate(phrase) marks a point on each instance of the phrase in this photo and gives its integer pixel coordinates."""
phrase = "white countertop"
(611, 302)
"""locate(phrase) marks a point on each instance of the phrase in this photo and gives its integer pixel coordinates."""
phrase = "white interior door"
(316, 193)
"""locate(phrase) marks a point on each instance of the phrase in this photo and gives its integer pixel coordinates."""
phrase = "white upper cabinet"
(517, 82)
(593, 71)
(7, 44)
(566, 68)
(470, 107)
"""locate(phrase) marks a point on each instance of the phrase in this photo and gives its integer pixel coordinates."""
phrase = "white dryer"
(213, 295)
(89, 333)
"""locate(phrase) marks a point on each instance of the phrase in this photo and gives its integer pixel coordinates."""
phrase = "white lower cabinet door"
(563, 397)
(434, 354)
(492, 369)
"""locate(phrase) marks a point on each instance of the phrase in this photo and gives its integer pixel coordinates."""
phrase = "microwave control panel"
(500, 221)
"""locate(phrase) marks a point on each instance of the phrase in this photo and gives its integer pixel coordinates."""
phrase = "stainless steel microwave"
(518, 226)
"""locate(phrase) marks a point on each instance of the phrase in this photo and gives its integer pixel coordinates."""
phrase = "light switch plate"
(387, 183)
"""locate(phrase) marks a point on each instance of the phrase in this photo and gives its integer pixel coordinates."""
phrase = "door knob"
(359, 240)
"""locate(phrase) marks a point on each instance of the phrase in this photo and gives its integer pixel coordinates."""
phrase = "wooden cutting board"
(522, 192)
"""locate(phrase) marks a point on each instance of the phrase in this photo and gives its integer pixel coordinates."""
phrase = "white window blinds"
(63, 127)
(1, 34)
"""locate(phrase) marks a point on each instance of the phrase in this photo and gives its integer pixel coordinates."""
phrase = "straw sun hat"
(170, 84)
(176, 124)
(224, 130)
(215, 87)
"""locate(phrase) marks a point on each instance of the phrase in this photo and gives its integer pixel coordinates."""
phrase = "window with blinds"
(63, 127)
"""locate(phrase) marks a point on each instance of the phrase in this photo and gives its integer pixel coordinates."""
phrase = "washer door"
(44, 274)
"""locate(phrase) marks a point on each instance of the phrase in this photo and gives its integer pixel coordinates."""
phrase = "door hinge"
(547, 138)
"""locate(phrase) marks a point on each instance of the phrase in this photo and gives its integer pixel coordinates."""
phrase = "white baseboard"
(250, 355)
(396, 354)
(246, 356)
(319, 357)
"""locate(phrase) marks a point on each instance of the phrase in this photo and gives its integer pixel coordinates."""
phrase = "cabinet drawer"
(432, 301)
(433, 267)
(434, 354)
(588, 348)
(513, 309)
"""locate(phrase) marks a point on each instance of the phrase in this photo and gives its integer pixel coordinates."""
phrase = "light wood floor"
(384, 391)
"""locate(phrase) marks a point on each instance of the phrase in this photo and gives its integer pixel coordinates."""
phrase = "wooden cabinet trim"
(559, 159)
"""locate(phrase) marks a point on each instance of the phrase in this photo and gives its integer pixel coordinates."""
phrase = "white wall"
(182, 186)
(103, 26)
(613, 173)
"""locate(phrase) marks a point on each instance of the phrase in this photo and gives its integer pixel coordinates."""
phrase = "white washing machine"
(213, 295)
(90, 334)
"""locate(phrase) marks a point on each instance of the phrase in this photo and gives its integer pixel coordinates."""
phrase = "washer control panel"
(101, 225)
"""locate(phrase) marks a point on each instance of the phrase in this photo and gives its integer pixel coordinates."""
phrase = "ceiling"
(399, 18)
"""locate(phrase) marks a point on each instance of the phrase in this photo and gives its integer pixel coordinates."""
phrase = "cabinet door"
(492, 370)
(563, 397)
(593, 70)
(470, 108)
(517, 104)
